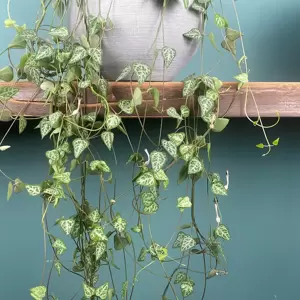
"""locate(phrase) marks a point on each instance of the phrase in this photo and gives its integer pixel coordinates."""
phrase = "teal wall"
(261, 209)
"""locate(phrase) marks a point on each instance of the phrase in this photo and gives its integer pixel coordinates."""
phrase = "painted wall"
(261, 209)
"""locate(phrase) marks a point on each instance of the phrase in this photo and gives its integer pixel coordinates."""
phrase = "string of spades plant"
(64, 69)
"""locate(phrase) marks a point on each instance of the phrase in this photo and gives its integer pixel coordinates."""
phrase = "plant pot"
(132, 39)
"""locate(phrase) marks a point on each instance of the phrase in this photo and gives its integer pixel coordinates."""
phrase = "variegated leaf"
(158, 160)
(67, 225)
(59, 246)
(218, 188)
(212, 94)
(187, 243)
(186, 151)
(38, 292)
(99, 165)
(195, 166)
(45, 51)
(184, 202)
(171, 111)
(112, 121)
(185, 111)
(108, 139)
(180, 276)
(148, 198)
(193, 34)
(22, 124)
(125, 72)
(98, 235)
(33, 190)
(124, 290)
(146, 179)
(126, 106)
(160, 175)
(168, 55)
(63, 177)
(7, 92)
(141, 71)
(151, 209)
(170, 147)
(100, 249)
(45, 127)
(94, 216)
(177, 138)
(88, 290)
(57, 266)
(79, 53)
(102, 291)
(186, 288)
(59, 32)
(120, 224)
(79, 145)
(55, 119)
(222, 232)
(178, 242)
(96, 55)
(206, 105)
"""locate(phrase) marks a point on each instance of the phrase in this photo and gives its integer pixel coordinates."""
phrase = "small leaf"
(126, 106)
(220, 21)
(96, 55)
(185, 111)
(7, 74)
(155, 94)
(211, 38)
(184, 202)
(79, 53)
(170, 147)
(186, 151)
(120, 242)
(206, 105)
(137, 96)
(100, 249)
(59, 246)
(151, 209)
(232, 34)
(33, 190)
(3, 148)
(9, 190)
(186, 288)
(59, 32)
(120, 224)
(218, 188)
(142, 254)
(261, 145)
(94, 216)
(112, 121)
(88, 290)
(63, 177)
(178, 242)
(142, 72)
(38, 292)
(7, 92)
(22, 124)
(187, 243)
(222, 232)
(193, 34)
(146, 179)
(108, 139)
(55, 119)
(124, 290)
(45, 51)
(229, 46)
(177, 138)
(102, 291)
(220, 124)
(276, 142)
(243, 77)
(168, 55)
(180, 277)
(195, 166)
(171, 111)
(158, 160)
(79, 146)
(67, 225)
(45, 127)
(124, 73)
(160, 175)
(57, 266)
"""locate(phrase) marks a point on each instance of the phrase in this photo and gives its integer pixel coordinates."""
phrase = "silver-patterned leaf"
(7, 92)
(98, 235)
(94, 216)
(198, 7)
(100, 249)
(124, 289)
(141, 71)
(220, 21)
(222, 232)
(55, 119)
(158, 160)
(88, 290)
(186, 288)
(59, 246)
(57, 266)
(67, 225)
(38, 292)
(79, 53)
(189, 86)
(126, 106)
(33, 190)
(170, 147)
(212, 94)
(195, 166)
(171, 111)
(146, 179)
(79, 145)
(151, 209)
(160, 175)
(99, 165)
(84, 84)
(177, 138)
(186, 151)
(208, 81)
(63, 177)
(45, 51)
(168, 55)
(28, 35)
(108, 139)
(96, 55)
(125, 72)
(22, 124)
(180, 276)
(148, 198)
(112, 121)
(194, 34)
(206, 105)
(178, 242)
(184, 202)
(120, 224)
(187, 243)
(45, 127)
(59, 32)
(218, 188)
(185, 111)
(102, 291)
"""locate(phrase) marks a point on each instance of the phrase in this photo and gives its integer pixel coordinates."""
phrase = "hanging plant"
(70, 65)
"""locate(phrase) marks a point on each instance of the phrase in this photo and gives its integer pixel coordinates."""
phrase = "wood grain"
(271, 97)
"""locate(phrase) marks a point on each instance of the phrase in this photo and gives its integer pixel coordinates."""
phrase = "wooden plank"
(271, 97)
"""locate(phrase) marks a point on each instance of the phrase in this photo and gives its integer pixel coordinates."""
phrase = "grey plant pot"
(136, 24)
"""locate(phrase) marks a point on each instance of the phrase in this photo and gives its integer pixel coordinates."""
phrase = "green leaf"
(171, 111)
(142, 72)
(57, 266)
(28, 35)
(276, 142)
(9, 190)
(220, 21)
(229, 46)
(155, 94)
(38, 292)
(137, 96)
(232, 34)
(98, 235)
(125, 72)
(261, 145)
(94, 216)
(220, 124)
(193, 34)
(211, 38)
(7, 74)
(168, 55)
(206, 105)
(195, 166)
(18, 42)
(170, 147)
(45, 127)
(148, 198)
(187, 243)
(120, 224)
(79, 53)
(79, 146)
(158, 160)
(186, 288)
(189, 86)
(55, 119)
(59, 246)
(112, 121)
(178, 242)
(63, 177)
(88, 290)
(146, 179)
(177, 138)
(96, 55)
(33, 190)
(212, 94)
(160, 175)
(186, 151)
(22, 124)
(208, 81)
(198, 6)
(67, 225)
(222, 232)
(45, 51)
(180, 277)
(59, 32)
(3, 148)
(184, 202)
(102, 291)
(108, 139)
(7, 92)
(100, 249)
(185, 111)
(120, 242)
(243, 77)
(151, 209)
(99, 165)
(142, 254)
(218, 188)
(126, 106)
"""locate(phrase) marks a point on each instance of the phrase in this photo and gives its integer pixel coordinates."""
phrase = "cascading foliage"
(64, 69)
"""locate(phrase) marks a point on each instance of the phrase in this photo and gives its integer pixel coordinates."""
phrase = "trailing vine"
(66, 69)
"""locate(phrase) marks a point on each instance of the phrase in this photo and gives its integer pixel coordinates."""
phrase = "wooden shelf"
(271, 97)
